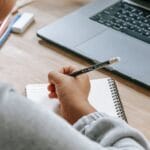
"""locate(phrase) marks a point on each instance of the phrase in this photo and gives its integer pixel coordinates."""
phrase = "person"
(27, 126)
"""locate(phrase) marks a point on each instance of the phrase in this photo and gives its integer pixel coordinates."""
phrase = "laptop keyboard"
(126, 18)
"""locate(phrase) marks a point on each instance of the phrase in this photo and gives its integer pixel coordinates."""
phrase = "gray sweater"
(27, 126)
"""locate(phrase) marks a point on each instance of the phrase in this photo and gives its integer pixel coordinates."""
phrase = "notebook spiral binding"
(116, 98)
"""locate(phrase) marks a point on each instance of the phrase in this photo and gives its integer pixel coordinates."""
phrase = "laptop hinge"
(138, 4)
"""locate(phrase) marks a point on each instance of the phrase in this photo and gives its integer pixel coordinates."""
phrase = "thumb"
(55, 77)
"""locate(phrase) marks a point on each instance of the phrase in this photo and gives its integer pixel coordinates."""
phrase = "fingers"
(68, 69)
(51, 87)
(52, 95)
(52, 90)
(55, 77)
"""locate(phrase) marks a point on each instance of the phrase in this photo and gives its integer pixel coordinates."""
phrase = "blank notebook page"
(38, 93)
(103, 96)
(100, 97)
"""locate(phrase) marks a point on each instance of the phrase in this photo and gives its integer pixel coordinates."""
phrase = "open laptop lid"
(65, 33)
(142, 3)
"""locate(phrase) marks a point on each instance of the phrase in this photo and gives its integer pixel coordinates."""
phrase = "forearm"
(111, 132)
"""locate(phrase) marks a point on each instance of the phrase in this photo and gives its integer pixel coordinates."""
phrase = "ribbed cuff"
(87, 120)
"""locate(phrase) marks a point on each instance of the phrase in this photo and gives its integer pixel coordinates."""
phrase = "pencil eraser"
(23, 23)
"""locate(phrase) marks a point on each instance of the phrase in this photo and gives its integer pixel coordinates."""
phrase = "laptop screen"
(146, 3)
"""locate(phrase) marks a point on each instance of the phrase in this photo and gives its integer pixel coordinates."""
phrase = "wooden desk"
(25, 59)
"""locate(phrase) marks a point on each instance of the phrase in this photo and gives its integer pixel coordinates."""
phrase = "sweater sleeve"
(111, 132)
(27, 126)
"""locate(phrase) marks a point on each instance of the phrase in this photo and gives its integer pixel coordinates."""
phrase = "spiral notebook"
(103, 96)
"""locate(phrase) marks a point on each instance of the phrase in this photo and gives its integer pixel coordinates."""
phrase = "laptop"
(105, 29)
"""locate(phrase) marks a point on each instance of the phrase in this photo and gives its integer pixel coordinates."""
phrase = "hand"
(72, 93)
(5, 8)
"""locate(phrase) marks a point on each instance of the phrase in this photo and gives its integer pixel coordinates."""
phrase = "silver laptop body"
(97, 42)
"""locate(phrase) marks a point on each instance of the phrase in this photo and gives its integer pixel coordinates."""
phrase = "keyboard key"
(136, 35)
(126, 18)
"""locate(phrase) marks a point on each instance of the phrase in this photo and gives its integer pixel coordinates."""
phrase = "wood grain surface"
(26, 59)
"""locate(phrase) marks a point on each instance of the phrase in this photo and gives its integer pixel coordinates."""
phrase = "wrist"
(74, 110)
(86, 108)
(82, 109)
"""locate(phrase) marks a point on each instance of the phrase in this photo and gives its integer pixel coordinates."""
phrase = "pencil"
(96, 66)
(4, 25)
(8, 30)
